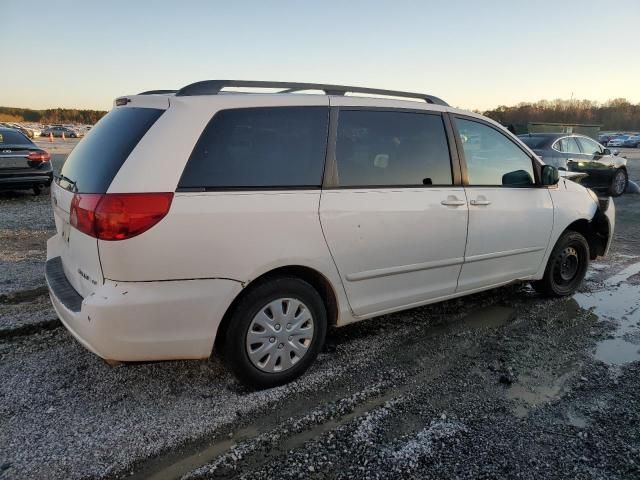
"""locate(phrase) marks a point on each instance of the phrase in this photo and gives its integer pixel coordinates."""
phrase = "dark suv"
(576, 153)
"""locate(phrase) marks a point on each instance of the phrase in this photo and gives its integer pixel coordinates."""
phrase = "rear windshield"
(11, 137)
(534, 142)
(95, 161)
(265, 147)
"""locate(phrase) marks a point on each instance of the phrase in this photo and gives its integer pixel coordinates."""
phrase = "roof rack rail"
(213, 87)
(157, 92)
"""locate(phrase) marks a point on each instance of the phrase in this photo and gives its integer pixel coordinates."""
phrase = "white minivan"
(252, 222)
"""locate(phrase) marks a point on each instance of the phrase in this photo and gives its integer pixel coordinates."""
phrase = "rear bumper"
(27, 177)
(143, 321)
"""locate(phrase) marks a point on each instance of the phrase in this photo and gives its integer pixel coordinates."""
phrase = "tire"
(282, 304)
(618, 183)
(567, 266)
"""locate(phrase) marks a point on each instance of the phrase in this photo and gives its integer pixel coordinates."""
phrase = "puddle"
(576, 420)
(619, 302)
(530, 392)
(489, 317)
(191, 462)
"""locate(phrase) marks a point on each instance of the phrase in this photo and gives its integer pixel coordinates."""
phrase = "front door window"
(493, 159)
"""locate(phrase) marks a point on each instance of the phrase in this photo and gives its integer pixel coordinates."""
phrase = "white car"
(200, 219)
(617, 141)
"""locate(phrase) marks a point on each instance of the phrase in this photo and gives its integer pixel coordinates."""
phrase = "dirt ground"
(503, 384)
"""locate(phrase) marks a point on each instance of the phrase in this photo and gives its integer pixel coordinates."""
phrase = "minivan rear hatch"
(89, 170)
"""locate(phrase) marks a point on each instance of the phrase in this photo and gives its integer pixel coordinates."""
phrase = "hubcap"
(279, 335)
(567, 265)
(620, 181)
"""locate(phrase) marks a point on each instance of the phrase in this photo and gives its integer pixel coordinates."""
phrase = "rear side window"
(567, 145)
(383, 148)
(533, 142)
(260, 148)
(94, 163)
(10, 137)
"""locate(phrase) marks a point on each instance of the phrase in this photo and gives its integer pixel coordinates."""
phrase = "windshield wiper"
(72, 183)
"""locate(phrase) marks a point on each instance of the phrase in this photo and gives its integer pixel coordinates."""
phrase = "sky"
(475, 54)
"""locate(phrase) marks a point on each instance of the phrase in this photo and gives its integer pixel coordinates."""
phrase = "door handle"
(453, 201)
(480, 202)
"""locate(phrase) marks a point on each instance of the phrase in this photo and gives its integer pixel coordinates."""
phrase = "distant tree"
(6, 117)
(616, 114)
(53, 115)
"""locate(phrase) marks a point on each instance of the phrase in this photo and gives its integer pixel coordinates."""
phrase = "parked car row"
(31, 132)
(60, 130)
(627, 140)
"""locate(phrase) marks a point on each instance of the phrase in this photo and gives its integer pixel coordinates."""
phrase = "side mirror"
(606, 151)
(550, 175)
(616, 152)
(517, 178)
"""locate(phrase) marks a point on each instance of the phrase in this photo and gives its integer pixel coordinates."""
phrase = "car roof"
(547, 135)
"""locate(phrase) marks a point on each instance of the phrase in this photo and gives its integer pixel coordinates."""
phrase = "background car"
(22, 163)
(632, 142)
(29, 132)
(604, 138)
(576, 153)
(57, 131)
(617, 141)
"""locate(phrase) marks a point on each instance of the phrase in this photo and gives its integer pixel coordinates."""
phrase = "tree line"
(617, 114)
(51, 115)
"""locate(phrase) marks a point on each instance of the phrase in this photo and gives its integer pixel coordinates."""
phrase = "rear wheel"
(566, 267)
(618, 183)
(275, 332)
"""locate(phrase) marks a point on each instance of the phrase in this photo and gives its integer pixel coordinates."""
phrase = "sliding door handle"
(480, 202)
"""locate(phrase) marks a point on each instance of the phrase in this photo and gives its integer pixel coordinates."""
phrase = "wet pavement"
(503, 384)
(619, 303)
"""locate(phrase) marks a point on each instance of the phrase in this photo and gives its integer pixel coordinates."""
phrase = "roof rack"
(157, 92)
(213, 87)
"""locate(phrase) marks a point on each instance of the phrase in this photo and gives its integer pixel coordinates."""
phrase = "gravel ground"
(502, 384)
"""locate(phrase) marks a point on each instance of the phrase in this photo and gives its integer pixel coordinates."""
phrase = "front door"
(394, 221)
(510, 215)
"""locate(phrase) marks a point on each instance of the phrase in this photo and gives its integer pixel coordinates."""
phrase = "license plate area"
(12, 162)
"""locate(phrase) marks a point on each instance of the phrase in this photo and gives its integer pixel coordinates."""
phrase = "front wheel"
(275, 332)
(618, 183)
(566, 267)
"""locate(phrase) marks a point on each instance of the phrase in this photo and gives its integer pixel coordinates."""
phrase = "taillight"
(83, 212)
(118, 216)
(38, 156)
